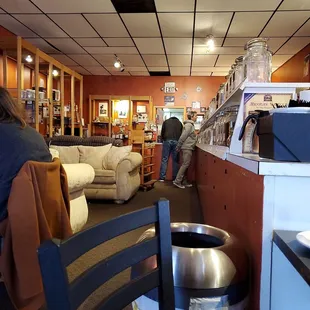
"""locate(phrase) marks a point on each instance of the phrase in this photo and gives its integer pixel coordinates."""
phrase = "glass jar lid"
(239, 60)
(262, 42)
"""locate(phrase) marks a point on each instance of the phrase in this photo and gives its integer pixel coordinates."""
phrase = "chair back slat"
(131, 291)
(54, 276)
(100, 273)
(55, 256)
(88, 239)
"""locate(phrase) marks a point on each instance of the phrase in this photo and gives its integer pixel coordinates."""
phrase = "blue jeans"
(169, 147)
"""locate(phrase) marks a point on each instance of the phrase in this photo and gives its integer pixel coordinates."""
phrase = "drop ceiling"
(157, 36)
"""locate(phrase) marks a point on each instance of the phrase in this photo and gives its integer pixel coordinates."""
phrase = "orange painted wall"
(293, 69)
(150, 86)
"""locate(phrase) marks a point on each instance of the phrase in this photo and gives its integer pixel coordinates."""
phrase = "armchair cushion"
(94, 155)
(104, 176)
(130, 162)
(115, 155)
(67, 154)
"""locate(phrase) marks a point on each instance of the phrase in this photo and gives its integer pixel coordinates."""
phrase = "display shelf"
(216, 150)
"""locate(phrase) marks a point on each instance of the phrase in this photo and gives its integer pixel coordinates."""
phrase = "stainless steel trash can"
(210, 269)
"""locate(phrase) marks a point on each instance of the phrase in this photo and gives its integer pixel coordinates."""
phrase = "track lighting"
(117, 64)
(210, 43)
(55, 72)
(29, 58)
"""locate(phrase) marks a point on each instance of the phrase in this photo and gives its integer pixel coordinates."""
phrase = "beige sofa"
(117, 170)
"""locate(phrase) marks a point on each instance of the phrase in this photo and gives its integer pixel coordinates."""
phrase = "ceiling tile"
(41, 24)
(112, 50)
(150, 45)
(304, 30)
(75, 6)
(295, 5)
(19, 6)
(86, 42)
(212, 23)
(127, 60)
(202, 41)
(279, 60)
(176, 24)
(67, 46)
(219, 73)
(179, 60)
(105, 60)
(43, 45)
(1, 11)
(285, 23)
(64, 59)
(74, 24)
(141, 73)
(237, 5)
(293, 46)
(108, 25)
(200, 50)
(119, 41)
(178, 45)
(97, 70)
(120, 73)
(80, 70)
(237, 41)
(210, 69)
(202, 73)
(204, 60)
(84, 60)
(141, 24)
(134, 6)
(240, 26)
(155, 60)
(180, 71)
(225, 60)
(175, 5)
(136, 69)
(14, 26)
(158, 69)
(275, 43)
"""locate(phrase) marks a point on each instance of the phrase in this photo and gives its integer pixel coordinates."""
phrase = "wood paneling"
(151, 86)
(232, 199)
(293, 69)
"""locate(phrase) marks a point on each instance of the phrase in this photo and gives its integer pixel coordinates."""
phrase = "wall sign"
(169, 88)
(196, 104)
(169, 100)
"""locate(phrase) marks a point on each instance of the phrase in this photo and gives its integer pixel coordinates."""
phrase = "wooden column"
(50, 97)
(90, 109)
(19, 69)
(62, 101)
(81, 108)
(5, 69)
(36, 85)
(72, 106)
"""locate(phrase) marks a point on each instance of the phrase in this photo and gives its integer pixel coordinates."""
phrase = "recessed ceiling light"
(210, 43)
(29, 58)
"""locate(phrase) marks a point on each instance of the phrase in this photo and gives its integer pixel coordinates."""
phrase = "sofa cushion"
(67, 154)
(94, 155)
(104, 176)
(115, 155)
(54, 153)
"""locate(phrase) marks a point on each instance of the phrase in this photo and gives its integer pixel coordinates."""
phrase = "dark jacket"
(188, 138)
(17, 146)
(172, 129)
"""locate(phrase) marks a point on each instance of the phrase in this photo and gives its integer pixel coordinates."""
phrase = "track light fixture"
(210, 43)
(55, 72)
(29, 58)
(119, 65)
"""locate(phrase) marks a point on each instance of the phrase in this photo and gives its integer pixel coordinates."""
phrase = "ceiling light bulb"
(29, 58)
(210, 44)
(117, 64)
(55, 73)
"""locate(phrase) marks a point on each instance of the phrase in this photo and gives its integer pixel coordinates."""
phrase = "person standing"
(170, 133)
(186, 143)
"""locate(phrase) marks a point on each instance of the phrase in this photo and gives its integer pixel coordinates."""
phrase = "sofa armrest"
(130, 162)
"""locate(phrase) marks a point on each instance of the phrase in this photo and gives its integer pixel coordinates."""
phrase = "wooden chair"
(55, 256)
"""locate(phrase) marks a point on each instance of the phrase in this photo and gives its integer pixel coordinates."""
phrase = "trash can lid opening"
(195, 240)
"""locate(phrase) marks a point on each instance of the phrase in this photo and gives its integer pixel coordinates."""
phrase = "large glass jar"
(232, 78)
(258, 61)
(239, 71)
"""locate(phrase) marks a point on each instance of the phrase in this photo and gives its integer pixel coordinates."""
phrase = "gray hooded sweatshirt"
(188, 138)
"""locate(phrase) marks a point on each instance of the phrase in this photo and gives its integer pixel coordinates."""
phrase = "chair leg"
(119, 201)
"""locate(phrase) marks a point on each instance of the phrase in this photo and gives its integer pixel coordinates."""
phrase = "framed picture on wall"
(103, 109)
(196, 104)
(198, 121)
(141, 109)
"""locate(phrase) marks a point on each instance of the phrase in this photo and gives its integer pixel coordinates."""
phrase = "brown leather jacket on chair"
(38, 210)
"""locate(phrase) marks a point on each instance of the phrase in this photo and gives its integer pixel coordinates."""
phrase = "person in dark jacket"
(170, 133)
(19, 143)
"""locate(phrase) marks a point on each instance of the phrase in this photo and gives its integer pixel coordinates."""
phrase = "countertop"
(297, 255)
(258, 165)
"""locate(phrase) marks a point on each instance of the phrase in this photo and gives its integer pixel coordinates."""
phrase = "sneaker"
(179, 185)
(187, 184)
(161, 180)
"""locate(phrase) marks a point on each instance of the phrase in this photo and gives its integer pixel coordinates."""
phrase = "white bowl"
(304, 238)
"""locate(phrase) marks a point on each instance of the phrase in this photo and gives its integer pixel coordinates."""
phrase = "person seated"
(19, 143)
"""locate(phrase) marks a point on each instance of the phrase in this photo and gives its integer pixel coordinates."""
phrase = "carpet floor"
(184, 207)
